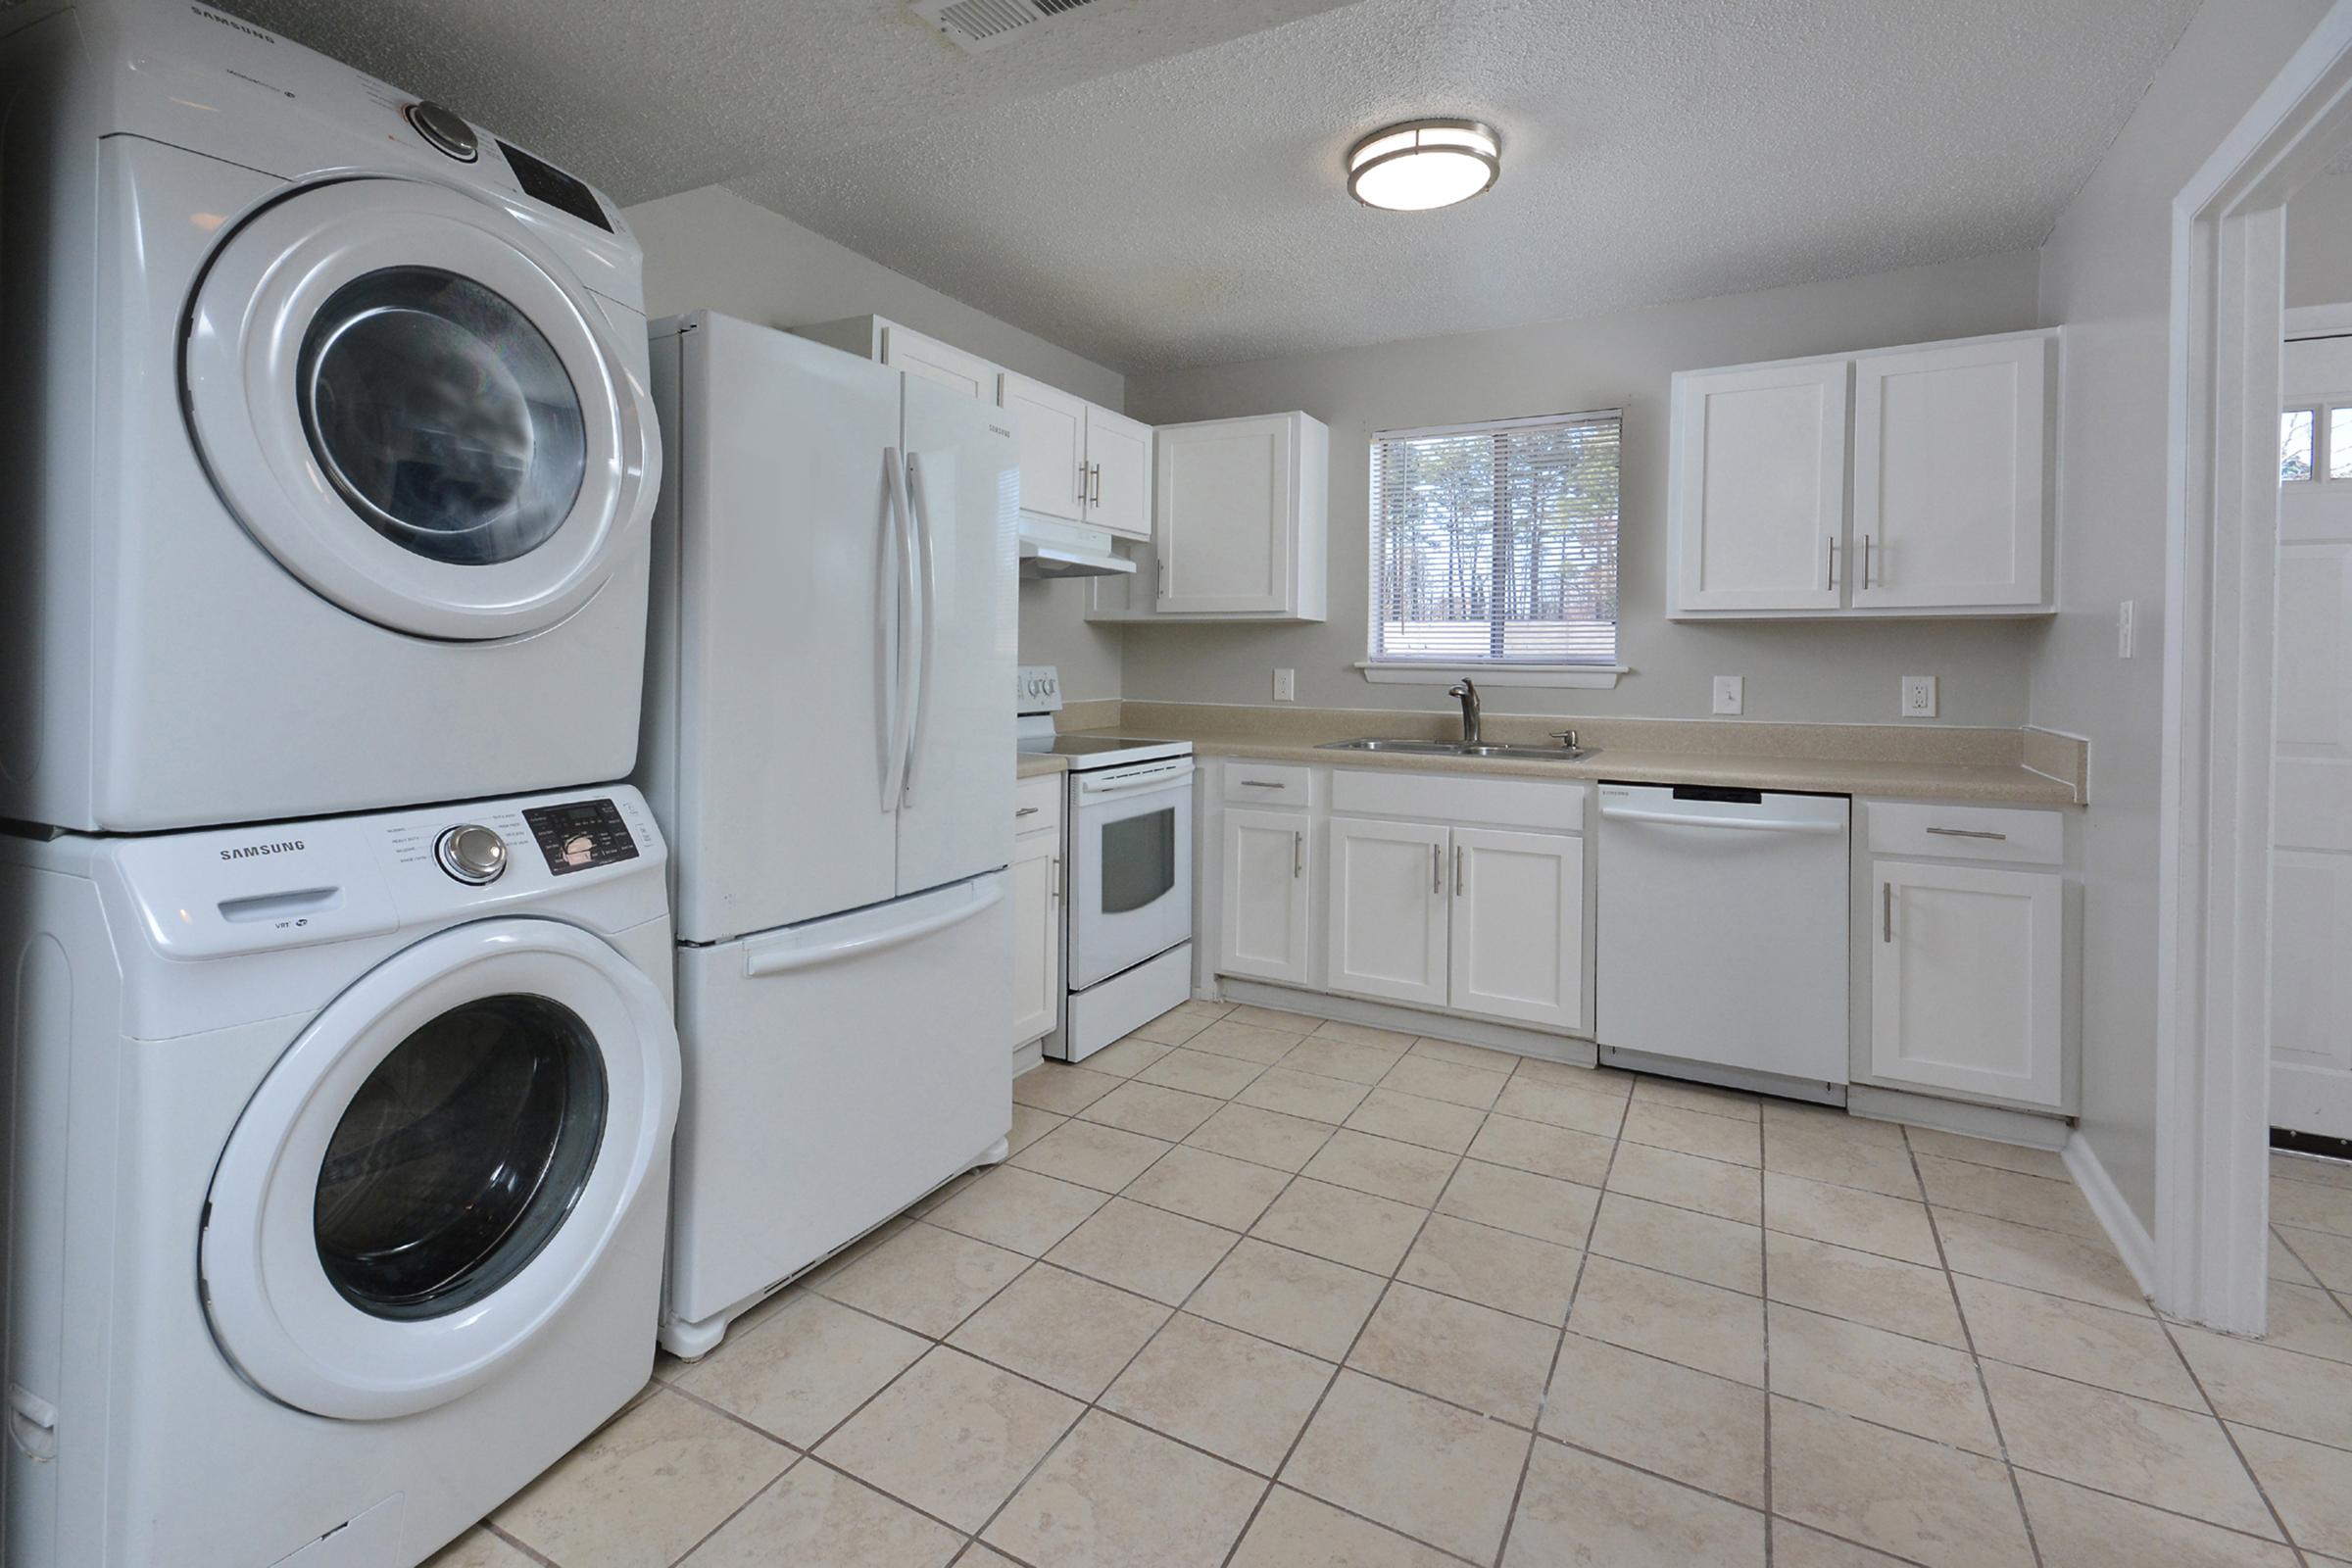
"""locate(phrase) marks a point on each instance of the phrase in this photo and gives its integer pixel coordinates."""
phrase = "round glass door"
(442, 415)
(412, 403)
(461, 1155)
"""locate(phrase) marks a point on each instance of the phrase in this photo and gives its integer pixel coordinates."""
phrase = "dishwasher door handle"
(1752, 824)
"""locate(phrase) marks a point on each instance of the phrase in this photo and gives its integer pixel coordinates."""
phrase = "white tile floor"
(1254, 1293)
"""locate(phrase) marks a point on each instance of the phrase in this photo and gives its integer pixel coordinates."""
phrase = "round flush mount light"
(1422, 164)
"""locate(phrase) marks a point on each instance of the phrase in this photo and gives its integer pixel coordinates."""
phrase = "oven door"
(1131, 865)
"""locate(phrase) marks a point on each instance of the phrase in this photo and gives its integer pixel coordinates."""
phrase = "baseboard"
(1032, 1055)
(2130, 1238)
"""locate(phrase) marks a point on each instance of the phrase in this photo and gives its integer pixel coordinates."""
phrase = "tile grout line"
(1764, 1288)
(2236, 1447)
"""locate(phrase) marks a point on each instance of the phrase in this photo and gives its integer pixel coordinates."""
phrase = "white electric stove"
(1127, 933)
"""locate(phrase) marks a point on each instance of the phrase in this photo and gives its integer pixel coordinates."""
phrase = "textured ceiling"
(1157, 182)
(647, 97)
(1191, 210)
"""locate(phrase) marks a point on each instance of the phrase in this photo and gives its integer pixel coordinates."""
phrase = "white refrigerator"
(829, 747)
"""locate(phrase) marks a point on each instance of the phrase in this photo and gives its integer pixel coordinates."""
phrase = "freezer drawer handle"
(1753, 824)
(1028, 810)
(784, 957)
(1968, 833)
(31, 1424)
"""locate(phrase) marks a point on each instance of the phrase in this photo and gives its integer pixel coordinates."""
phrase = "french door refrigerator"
(829, 747)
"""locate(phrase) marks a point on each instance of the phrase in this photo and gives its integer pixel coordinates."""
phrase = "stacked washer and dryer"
(338, 1139)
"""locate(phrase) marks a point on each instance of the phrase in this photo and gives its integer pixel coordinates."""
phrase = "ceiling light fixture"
(1422, 164)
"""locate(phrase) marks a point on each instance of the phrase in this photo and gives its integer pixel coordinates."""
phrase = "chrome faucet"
(1468, 693)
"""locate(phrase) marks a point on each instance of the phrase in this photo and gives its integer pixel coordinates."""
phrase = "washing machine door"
(414, 405)
(428, 1174)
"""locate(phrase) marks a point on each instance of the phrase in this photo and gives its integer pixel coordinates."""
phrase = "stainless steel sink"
(1516, 754)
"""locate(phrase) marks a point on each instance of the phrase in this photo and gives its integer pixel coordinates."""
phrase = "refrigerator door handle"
(900, 533)
(785, 952)
(925, 585)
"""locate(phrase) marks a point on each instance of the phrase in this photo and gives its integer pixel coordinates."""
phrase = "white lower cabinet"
(1471, 919)
(1269, 872)
(1518, 936)
(1967, 989)
(1036, 891)
(1389, 911)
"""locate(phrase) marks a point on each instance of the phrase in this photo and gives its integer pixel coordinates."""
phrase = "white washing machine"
(339, 1174)
(328, 454)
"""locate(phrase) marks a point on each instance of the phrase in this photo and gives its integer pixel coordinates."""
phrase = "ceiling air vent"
(979, 25)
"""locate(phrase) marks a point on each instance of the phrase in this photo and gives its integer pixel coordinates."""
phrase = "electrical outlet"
(1919, 697)
(2123, 629)
(1285, 685)
(1731, 693)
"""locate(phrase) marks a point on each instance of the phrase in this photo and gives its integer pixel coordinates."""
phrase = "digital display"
(580, 834)
(545, 182)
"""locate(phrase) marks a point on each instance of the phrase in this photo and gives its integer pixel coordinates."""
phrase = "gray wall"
(711, 249)
(2319, 243)
(1823, 672)
(2106, 278)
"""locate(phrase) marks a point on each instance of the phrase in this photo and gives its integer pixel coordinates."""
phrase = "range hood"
(1052, 548)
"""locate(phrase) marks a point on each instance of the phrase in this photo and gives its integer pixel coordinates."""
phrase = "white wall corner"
(2130, 1238)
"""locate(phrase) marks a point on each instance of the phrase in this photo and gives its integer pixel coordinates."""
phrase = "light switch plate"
(1285, 685)
(1919, 697)
(1731, 693)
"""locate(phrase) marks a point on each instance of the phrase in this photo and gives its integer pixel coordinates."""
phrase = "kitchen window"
(1495, 552)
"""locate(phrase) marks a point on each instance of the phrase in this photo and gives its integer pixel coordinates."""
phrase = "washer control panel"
(474, 855)
(580, 834)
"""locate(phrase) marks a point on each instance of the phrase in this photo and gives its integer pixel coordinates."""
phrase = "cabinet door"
(1758, 510)
(1118, 457)
(1269, 866)
(934, 360)
(1036, 877)
(1227, 514)
(1389, 897)
(1948, 476)
(1966, 980)
(1518, 941)
(1051, 428)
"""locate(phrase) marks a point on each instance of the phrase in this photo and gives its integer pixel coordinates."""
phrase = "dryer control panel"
(580, 834)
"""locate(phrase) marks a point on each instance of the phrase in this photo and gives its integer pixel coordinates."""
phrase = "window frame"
(1393, 670)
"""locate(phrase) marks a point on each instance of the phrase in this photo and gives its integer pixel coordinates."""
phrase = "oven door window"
(1139, 860)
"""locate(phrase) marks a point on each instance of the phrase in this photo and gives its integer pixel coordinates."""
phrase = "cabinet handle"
(1298, 853)
(1032, 811)
(1056, 876)
(1082, 484)
(1886, 912)
(1829, 563)
(1866, 560)
(1968, 833)
(1437, 869)
(1259, 783)
(1457, 871)
(1093, 495)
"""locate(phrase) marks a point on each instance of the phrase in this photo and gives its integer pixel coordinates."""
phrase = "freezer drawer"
(834, 1072)
(1721, 928)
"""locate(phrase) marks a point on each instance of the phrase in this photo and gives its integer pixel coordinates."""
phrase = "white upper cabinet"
(1948, 509)
(1240, 517)
(1759, 487)
(1910, 481)
(1050, 429)
(1118, 458)
(902, 348)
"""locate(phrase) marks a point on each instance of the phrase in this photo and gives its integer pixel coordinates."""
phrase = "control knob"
(472, 854)
(445, 131)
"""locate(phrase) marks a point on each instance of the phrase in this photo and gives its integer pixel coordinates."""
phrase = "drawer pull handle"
(1027, 810)
(1262, 784)
(1968, 833)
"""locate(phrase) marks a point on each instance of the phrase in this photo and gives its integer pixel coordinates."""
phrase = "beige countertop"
(1933, 763)
(1032, 765)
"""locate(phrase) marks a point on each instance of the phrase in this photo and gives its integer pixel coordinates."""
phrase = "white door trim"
(2221, 502)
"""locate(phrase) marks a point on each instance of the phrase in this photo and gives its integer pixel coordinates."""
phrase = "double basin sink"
(1540, 754)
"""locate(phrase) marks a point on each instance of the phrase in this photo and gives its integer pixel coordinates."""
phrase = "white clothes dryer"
(339, 1177)
(330, 453)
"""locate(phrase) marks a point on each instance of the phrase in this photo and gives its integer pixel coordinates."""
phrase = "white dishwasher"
(1722, 935)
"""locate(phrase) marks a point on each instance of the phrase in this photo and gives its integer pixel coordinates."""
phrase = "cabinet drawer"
(1037, 804)
(1439, 798)
(1269, 784)
(1966, 832)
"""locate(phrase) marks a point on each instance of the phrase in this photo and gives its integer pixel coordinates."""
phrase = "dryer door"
(428, 1174)
(409, 402)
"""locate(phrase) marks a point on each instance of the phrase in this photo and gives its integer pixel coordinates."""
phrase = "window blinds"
(1496, 542)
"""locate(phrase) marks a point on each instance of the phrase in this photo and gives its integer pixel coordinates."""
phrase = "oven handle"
(1131, 781)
